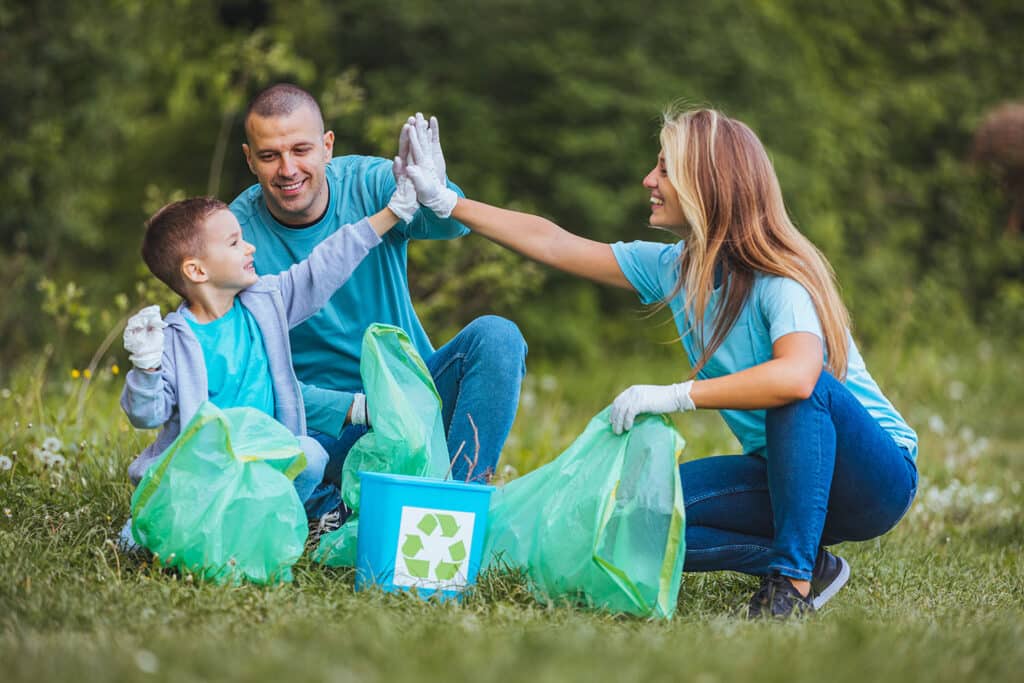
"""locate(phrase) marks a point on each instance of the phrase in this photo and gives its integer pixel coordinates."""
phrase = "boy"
(228, 341)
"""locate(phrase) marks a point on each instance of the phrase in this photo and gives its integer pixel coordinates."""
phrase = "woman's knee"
(818, 400)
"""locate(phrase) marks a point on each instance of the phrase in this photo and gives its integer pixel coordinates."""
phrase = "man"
(303, 196)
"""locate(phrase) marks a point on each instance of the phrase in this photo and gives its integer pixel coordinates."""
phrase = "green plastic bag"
(602, 524)
(220, 501)
(408, 434)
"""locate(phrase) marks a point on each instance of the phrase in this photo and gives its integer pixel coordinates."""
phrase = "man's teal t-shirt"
(776, 307)
(326, 348)
(237, 370)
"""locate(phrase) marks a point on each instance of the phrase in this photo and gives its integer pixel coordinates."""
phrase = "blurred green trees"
(111, 107)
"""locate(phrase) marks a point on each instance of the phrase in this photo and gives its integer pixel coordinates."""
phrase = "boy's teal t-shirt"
(776, 307)
(237, 369)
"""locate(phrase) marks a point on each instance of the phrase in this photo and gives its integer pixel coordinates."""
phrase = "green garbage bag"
(407, 435)
(602, 524)
(220, 502)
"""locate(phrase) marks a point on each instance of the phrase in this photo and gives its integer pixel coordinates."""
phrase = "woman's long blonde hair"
(737, 222)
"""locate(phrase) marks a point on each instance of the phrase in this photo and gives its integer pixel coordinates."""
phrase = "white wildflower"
(957, 390)
(528, 399)
(147, 661)
(5, 463)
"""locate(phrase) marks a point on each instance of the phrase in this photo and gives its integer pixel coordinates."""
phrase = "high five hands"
(420, 161)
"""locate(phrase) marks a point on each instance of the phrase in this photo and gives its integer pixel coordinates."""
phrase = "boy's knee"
(316, 457)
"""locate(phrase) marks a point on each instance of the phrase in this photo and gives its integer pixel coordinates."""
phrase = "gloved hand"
(430, 190)
(144, 338)
(430, 137)
(359, 413)
(403, 202)
(649, 398)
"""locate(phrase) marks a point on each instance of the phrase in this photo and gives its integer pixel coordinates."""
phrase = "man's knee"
(497, 337)
(495, 331)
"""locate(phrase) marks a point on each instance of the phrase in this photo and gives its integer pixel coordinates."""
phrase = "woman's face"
(666, 211)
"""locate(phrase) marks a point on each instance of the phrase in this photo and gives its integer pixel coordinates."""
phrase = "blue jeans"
(479, 374)
(830, 473)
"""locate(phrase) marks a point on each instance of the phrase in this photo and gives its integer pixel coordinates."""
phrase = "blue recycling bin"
(420, 533)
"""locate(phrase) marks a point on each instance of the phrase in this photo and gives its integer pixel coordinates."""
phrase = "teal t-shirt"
(326, 348)
(237, 370)
(776, 307)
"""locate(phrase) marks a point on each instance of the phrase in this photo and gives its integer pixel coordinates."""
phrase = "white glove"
(649, 398)
(430, 138)
(144, 338)
(430, 191)
(359, 413)
(403, 202)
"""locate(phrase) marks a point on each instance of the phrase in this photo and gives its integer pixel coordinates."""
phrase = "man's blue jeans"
(830, 473)
(478, 373)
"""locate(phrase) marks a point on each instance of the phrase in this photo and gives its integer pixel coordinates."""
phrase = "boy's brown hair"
(174, 234)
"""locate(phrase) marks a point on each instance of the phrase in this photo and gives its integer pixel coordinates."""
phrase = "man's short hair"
(281, 99)
(174, 234)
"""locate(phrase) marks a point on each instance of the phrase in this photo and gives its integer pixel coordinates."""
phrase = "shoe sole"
(835, 586)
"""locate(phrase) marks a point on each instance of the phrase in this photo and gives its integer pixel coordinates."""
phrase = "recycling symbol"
(434, 540)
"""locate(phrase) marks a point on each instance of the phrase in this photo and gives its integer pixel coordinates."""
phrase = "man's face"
(289, 155)
(227, 258)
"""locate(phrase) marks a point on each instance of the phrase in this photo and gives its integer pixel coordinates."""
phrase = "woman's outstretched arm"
(543, 241)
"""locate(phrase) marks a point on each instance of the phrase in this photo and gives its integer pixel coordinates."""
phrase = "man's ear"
(329, 144)
(194, 271)
(248, 157)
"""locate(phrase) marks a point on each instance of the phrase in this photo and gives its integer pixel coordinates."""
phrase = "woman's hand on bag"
(649, 398)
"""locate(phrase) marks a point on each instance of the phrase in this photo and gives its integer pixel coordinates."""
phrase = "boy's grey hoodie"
(171, 396)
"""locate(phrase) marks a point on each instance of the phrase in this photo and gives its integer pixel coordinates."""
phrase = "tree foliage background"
(112, 107)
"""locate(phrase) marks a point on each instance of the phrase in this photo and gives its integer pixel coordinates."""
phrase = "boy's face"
(226, 262)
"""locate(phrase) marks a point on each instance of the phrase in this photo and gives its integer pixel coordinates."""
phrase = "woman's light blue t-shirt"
(776, 307)
(237, 369)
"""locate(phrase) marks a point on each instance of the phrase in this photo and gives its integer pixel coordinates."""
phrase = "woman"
(826, 457)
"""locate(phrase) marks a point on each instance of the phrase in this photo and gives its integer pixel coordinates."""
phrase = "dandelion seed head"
(52, 444)
(5, 393)
(5, 463)
(936, 424)
(147, 661)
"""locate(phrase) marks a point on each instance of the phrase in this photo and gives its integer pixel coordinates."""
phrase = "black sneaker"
(831, 573)
(328, 522)
(778, 599)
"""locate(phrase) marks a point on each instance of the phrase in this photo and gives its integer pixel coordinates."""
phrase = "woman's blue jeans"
(830, 473)
(479, 374)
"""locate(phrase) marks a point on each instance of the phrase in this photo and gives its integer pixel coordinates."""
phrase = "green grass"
(941, 598)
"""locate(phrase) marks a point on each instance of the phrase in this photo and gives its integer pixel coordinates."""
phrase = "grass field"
(941, 598)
